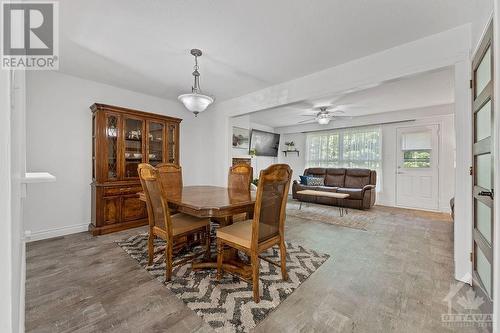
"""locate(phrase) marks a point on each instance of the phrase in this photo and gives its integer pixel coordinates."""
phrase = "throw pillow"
(314, 181)
(303, 180)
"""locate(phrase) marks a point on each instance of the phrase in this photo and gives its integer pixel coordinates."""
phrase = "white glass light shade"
(196, 102)
(323, 120)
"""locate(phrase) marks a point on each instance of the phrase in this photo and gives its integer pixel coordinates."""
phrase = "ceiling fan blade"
(306, 121)
(337, 112)
(302, 105)
(343, 117)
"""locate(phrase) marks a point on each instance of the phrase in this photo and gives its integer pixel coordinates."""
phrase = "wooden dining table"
(214, 202)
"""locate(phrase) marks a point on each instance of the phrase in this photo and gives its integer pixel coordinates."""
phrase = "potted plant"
(290, 146)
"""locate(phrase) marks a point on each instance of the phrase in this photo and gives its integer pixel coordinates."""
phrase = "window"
(417, 159)
(416, 148)
(346, 148)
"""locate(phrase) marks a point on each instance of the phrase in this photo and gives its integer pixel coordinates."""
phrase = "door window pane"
(483, 72)
(155, 143)
(483, 122)
(483, 268)
(172, 143)
(483, 219)
(417, 159)
(111, 138)
(416, 140)
(483, 171)
(133, 146)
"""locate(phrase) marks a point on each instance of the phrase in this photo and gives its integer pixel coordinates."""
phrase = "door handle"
(486, 194)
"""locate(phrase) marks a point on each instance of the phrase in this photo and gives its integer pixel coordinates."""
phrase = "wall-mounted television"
(264, 143)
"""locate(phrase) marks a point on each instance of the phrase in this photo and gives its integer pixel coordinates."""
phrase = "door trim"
(485, 146)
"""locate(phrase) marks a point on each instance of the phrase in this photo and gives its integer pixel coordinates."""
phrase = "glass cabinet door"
(112, 146)
(155, 142)
(172, 143)
(133, 133)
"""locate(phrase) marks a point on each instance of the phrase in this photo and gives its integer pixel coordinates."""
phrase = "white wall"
(59, 141)
(7, 304)
(387, 194)
(12, 170)
(258, 162)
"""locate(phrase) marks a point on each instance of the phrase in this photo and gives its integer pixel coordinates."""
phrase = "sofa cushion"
(335, 177)
(318, 172)
(354, 193)
(357, 178)
(301, 187)
(325, 188)
(315, 181)
(303, 180)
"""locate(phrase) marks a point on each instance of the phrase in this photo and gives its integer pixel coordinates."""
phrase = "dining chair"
(163, 225)
(265, 230)
(170, 177)
(240, 177)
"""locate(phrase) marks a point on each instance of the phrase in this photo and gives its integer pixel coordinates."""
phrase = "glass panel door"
(134, 153)
(112, 146)
(172, 143)
(155, 142)
(483, 170)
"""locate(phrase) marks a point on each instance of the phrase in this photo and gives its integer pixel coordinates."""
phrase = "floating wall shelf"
(291, 151)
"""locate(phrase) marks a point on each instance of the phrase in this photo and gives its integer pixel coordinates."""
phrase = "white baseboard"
(55, 232)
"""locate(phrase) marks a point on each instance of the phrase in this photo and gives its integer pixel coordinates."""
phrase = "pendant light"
(196, 102)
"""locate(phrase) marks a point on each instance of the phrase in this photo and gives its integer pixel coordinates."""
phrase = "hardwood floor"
(391, 278)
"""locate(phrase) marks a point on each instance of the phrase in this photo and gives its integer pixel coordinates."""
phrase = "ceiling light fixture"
(323, 117)
(196, 102)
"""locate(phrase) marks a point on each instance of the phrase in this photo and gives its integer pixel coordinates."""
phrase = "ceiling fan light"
(323, 120)
(196, 103)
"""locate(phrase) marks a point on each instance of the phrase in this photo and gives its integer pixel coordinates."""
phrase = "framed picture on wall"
(241, 138)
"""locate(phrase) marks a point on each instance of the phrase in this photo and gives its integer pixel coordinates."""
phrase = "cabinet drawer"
(110, 191)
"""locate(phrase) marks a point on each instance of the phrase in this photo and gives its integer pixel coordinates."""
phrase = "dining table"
(218, 203)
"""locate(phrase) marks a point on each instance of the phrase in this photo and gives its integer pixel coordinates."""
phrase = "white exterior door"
(417, 183)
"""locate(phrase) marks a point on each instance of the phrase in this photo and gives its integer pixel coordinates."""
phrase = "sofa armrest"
(369, 195)
(295, 188)
(368, 187)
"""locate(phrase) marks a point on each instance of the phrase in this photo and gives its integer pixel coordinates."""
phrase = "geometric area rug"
(228, 306)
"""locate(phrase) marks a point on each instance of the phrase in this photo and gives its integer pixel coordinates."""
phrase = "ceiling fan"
(324, 115)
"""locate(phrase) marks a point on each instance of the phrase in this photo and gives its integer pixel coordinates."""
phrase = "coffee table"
(340, 196)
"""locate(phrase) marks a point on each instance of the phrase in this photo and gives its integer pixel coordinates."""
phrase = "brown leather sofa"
(358, 183)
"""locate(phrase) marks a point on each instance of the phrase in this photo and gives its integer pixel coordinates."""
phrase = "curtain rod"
(377, 124)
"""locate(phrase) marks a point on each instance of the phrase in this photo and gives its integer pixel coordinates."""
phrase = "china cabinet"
(121, 140)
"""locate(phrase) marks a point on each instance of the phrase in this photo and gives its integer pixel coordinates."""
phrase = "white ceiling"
(423, 90)
(248, 45)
